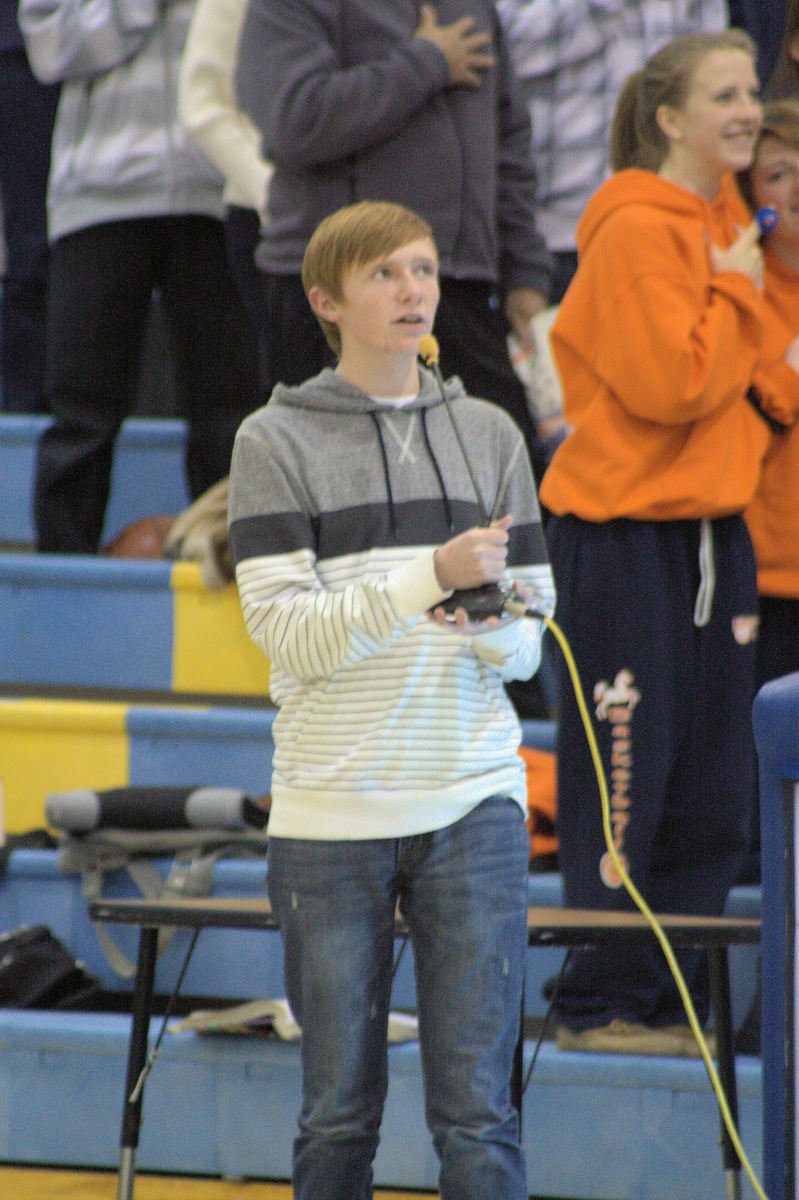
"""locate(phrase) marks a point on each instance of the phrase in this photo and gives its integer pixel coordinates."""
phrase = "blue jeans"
(463, 893)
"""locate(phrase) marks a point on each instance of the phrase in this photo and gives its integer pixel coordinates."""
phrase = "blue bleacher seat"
(148, 475)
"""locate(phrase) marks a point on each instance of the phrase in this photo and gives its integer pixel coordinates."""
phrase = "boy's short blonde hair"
(351, 237)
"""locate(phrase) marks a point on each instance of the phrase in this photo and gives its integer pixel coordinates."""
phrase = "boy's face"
(387, 304)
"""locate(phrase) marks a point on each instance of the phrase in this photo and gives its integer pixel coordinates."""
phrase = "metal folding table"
(545, 927)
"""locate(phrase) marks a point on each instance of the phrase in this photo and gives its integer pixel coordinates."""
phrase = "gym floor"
(32, 1183)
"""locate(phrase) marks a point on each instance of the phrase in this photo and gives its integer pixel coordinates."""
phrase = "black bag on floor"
(37, 971)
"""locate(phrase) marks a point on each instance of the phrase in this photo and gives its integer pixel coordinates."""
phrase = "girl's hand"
(744, 255)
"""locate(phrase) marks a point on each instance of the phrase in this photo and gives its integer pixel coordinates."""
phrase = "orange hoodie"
(655, 354)
(773, 515)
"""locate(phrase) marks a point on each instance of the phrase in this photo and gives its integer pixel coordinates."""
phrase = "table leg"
(725, 1053)
(137, 1059)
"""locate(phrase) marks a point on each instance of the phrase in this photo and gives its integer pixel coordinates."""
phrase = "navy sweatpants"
(661, 618)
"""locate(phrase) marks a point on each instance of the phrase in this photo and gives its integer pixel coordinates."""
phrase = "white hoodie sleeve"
(208, 108)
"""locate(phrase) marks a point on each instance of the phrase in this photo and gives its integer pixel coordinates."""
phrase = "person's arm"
(514, 649)
(76, 39)
(775, 388)
(207, 104)
(310, 107)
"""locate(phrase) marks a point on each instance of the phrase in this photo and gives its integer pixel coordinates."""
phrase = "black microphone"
(489, 600)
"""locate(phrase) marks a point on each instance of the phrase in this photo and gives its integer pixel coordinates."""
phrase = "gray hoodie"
(388, 725)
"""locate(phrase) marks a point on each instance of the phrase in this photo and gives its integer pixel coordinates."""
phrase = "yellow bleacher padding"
(212, 651)
(54, 745)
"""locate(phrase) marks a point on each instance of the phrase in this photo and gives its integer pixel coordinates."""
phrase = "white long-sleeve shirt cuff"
(413, 587)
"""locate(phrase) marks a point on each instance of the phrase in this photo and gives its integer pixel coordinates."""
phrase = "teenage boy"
(354, 514)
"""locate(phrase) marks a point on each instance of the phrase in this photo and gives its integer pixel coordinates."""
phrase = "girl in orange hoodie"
(656, 342)
(773, 515)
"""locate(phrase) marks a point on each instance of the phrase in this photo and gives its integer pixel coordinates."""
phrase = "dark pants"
(27, 112)
(778, 640)
(671, 705)
(564, 265)
(101, 283)
(242, 233)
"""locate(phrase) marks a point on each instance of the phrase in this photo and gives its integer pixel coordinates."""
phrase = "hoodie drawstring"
(383, 454)
(392, 515)
(707, 575)
(440, 477)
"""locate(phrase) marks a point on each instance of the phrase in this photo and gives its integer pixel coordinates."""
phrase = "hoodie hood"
(329, 392)
(633, 187)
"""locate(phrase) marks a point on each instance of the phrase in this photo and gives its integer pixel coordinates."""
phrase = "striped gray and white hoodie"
(388, 725)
